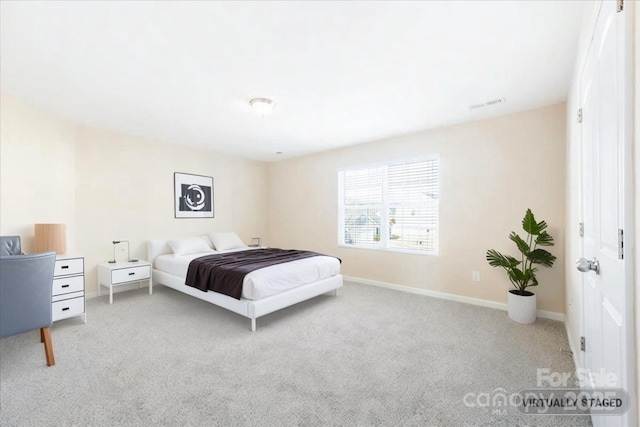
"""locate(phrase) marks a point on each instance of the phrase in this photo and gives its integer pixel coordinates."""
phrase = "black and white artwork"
(193, 195)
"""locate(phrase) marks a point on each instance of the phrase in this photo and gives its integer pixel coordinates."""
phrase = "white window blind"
(392, 206)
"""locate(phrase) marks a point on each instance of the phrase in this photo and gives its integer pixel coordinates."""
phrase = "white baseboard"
(451, 297)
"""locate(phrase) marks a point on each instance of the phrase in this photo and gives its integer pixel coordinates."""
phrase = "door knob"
(584, 265)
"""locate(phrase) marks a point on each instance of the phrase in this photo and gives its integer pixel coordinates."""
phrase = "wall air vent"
(487, 104)
(475, 107)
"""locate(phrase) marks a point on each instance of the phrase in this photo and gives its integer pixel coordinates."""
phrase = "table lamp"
(50, 237)
(116, 242)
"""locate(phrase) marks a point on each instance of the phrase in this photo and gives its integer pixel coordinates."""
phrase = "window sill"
(394, 250)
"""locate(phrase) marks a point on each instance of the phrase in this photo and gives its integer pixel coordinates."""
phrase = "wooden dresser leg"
(48, 346)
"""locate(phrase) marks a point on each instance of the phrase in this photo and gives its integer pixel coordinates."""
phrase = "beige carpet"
(370, 357)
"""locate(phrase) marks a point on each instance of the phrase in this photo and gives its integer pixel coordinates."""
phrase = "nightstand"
(123, 273)
(67, 297)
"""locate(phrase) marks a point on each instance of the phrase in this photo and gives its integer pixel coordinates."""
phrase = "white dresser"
(68, 288)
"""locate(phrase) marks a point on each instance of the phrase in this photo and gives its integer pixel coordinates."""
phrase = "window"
(392, 206)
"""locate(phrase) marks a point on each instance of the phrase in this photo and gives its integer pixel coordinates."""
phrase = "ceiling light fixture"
(262, 106)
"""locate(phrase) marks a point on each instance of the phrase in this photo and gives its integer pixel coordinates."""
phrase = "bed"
(263, 291)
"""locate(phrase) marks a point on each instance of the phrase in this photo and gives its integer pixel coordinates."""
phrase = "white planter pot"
(522, 309)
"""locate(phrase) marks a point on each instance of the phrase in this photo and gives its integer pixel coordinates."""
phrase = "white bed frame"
(247, 308)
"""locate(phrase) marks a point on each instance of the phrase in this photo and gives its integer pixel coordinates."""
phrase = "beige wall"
(491, 172)
(106, 186)
(37, 173)
(124, 190)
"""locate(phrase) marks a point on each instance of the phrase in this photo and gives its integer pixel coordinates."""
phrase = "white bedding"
(265, 281)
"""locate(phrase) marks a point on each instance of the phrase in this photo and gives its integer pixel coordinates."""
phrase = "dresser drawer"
(130, 274)
(67, 308)
(67, 267)
(65, 285)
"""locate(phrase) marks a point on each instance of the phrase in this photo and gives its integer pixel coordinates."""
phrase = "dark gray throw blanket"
(224, 273)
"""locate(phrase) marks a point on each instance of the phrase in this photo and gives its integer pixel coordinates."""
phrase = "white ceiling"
(341, 73)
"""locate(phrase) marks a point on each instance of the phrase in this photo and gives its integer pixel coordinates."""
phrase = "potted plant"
(522, 272)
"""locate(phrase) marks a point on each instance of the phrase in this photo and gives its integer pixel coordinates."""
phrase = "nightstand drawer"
(67, 308)
(65, 285)
(67, 267)
(130, 274)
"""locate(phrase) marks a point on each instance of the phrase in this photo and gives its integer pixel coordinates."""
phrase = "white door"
(608, 320)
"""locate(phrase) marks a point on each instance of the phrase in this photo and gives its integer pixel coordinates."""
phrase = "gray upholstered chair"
(26, 282)
(10, 245)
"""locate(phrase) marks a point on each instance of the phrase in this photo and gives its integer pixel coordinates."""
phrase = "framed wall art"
(193, 195)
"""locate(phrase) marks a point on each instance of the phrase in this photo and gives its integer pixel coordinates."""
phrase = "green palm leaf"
(522, 245)
(540, 256)
(542, 225)
(516, 275)
(544, 239)
(496, 259)
(529, 223)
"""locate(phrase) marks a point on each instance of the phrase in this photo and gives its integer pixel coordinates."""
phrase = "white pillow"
(207, 240)
(226, 241)
(189, 245)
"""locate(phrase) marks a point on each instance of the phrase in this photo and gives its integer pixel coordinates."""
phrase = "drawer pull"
(64, 266)
(65, 309)
(131, 274)
(65, 286)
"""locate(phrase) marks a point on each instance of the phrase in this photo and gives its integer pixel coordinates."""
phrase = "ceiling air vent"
(487, 104)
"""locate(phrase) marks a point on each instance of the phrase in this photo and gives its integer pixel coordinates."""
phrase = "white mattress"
(265, 281)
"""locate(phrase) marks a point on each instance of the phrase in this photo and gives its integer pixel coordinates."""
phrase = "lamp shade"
(51, 237)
